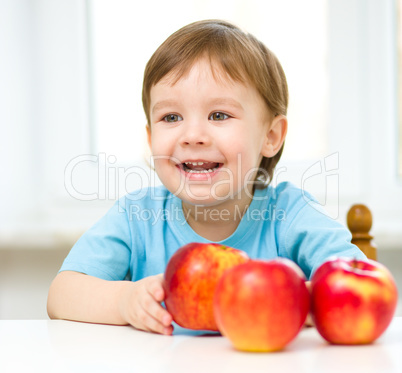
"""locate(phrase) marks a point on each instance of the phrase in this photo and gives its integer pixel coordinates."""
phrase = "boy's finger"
(155, 288)
(154, 309)
(157, 319)
(160, 313)
(150, 324)
(158, 294)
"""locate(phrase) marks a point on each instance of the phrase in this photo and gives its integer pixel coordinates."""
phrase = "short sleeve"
(311, 237)
(104, 250)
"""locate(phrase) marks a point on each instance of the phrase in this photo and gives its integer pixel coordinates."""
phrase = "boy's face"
(207, 135)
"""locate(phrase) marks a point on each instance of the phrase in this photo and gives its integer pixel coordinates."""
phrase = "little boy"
(215, 99)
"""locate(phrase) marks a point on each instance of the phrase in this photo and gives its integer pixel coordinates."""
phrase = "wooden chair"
(359, 220)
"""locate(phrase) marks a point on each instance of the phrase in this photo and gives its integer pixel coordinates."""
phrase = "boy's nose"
(195, 134)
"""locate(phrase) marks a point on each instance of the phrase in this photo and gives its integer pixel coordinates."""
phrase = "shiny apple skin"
(353, 301)
(261, 306)
(190, 280)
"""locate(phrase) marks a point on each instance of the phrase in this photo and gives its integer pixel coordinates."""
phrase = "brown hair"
(240, 55)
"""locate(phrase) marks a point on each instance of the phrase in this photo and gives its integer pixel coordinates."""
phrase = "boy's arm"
(79, 297)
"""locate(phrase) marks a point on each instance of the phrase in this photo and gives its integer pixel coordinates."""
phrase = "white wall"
(44, 116)
(17, 154)
(25, 277)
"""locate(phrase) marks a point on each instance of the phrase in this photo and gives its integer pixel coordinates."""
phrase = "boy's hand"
(140, 305)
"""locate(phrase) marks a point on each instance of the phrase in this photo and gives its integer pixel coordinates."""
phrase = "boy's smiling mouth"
(200, 167)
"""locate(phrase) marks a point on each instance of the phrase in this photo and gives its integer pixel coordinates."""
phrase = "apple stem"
(355, 263)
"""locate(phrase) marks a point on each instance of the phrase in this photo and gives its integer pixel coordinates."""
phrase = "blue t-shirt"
(139, 234)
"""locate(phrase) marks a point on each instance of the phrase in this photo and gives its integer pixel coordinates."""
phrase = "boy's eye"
(218, 116)
(171, 118)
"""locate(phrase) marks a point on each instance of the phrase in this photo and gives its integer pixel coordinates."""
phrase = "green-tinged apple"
(262, 305)
(190, 280)
(353, 301)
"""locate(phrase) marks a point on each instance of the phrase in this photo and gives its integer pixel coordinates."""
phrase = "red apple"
(190, 280)
(261, 305)
(353, 301)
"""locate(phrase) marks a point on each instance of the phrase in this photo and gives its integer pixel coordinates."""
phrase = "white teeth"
(200, 172)
(195, 163)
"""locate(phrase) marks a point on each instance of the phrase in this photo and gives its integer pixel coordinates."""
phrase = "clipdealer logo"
(328, 170)
(112, 180)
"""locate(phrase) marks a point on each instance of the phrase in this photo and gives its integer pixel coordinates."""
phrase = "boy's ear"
(275, 136)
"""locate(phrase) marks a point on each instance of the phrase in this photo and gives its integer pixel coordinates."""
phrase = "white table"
(64, 346)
